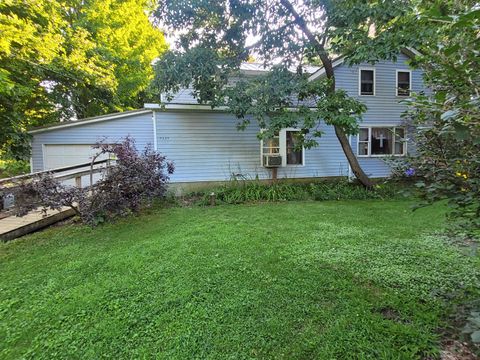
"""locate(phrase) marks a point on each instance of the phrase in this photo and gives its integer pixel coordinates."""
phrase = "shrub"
(136, 180)
(447, 123)
(10, 167)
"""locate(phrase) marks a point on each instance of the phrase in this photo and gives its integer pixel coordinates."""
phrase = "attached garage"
(70, 143)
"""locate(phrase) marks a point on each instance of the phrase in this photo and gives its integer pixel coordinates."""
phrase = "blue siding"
(206, 146)
(385, 108)
(139, 126)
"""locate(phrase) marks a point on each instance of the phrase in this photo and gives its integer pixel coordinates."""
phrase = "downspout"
(31, 157)
(154, 120)
(350, 179)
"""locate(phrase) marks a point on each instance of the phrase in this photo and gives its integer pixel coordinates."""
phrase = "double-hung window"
(367, 82)
(381, 141)
(271, 146)
(404, 82)
(294, 152)
(287, 144)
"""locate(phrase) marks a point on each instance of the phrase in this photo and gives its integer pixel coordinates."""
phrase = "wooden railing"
(76, 172)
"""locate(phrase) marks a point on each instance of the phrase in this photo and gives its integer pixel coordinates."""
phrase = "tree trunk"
(328, 66)
(352, 159)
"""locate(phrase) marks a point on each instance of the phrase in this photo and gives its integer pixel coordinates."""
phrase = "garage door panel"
(61, 155)
(57, 156)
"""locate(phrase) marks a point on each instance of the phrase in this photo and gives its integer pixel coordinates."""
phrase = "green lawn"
(304, 280)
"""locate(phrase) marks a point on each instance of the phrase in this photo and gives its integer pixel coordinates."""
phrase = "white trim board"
(321, 72)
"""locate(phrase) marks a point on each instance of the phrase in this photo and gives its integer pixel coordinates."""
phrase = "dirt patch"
(391, 314)
(456, 350)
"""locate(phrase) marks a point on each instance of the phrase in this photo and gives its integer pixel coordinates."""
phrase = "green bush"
(9, 168)
(447, 123)
(238, 192)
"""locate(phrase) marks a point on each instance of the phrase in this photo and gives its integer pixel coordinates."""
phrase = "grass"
(298, 280)
(240, 192)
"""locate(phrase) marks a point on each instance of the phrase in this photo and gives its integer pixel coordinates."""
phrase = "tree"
(212, 43)
(447, 142)
(67, 59)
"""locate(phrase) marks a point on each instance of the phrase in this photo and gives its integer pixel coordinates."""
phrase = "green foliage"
(71, 59)
(472, 328)
(270, 98)
(447, 141)
(213, 40)
(9, 168)
(306, 280)
(238, 192)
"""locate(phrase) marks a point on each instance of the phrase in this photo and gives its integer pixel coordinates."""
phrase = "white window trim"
(360, 80)
(282, 140)
(369, 149)
(396, 82)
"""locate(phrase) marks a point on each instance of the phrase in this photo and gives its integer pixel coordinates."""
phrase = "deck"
(12, 227)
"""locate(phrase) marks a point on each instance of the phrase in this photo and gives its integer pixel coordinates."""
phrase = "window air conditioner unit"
(272, 161)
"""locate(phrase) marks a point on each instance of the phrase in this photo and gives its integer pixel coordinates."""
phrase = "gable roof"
(410, 52)
(250, 69)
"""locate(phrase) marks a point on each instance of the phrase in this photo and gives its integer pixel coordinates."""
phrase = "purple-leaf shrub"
(48, 193)
(137, 179)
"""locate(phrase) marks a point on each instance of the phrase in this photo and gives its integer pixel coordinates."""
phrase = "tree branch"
(273, 31)
(319, 48)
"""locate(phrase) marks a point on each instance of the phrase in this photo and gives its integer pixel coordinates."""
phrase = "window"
(363, 143)
(404, 82)
(367, 82)
(271, 146)
(286, 143)
(294, 151)
(381, 141)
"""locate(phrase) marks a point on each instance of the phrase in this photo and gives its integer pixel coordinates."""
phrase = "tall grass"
(238, 192)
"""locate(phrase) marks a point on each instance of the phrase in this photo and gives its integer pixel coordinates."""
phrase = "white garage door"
(56, 156)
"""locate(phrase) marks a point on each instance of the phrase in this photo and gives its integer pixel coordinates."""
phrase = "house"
(206, 146)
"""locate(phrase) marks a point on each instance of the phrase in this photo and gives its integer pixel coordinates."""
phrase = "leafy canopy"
(448, 122)
(215, 37)
(71, 58)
